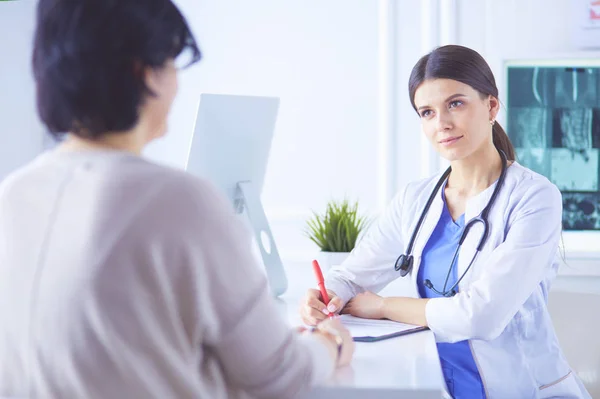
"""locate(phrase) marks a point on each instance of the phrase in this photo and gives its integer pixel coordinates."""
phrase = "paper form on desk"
(368, 330)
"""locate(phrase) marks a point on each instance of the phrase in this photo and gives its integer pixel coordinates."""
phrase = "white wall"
(20, 129)
(411, 44)
(321, 59)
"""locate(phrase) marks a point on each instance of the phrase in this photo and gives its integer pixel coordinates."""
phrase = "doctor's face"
(455, 117)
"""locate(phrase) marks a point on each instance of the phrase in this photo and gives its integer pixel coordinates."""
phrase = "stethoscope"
(404, 263)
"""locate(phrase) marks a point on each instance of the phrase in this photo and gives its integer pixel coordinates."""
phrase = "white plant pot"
(327, 260)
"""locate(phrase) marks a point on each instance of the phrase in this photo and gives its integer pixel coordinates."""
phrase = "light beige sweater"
(120, 278)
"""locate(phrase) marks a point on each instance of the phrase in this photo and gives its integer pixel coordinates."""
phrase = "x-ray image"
(581, 211)
(596, 128)
(575, 170)
(576, 87)
(553, 120)
(573, 128)
(530, 87)
(537, 159)
(530, 127)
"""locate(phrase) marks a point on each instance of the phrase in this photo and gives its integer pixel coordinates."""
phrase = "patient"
(120, 278)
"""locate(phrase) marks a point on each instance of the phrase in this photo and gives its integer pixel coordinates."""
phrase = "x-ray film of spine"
(530, 127)
(575, 170)
(530, 87)
(576, 87)
(581, 211)
(537, 159)
(596, 128)
(554, 124)
(573, 128)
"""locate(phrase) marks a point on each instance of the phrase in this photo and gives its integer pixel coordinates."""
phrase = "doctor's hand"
(366, 305)
(313, 310)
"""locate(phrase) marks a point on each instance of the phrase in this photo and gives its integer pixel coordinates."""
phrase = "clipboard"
(367, 330)
(388, 336)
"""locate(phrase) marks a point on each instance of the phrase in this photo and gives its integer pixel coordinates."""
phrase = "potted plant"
(336, 231)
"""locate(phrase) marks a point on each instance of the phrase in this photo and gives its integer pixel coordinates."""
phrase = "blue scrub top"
(459, 368)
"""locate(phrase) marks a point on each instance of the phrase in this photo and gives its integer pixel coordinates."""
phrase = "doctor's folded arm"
(479, 243)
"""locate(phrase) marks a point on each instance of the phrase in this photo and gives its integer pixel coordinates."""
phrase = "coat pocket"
(566, 387)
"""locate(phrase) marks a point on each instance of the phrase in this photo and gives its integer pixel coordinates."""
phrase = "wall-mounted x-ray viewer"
(230, 147)
(553, 119)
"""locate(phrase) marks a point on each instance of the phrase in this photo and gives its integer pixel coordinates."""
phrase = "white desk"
(403, 367)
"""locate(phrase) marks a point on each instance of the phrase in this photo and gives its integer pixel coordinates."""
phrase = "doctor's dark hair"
(89, 57)
(463, 65)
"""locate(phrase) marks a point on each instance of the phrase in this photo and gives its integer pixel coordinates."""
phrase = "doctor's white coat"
(501, 304)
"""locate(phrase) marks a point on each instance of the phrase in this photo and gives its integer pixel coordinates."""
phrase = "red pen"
(321, 283)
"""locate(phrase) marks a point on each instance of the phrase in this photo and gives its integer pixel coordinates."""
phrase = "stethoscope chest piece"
(404, 264)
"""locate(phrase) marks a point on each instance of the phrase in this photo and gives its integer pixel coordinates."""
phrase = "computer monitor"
(230, 147)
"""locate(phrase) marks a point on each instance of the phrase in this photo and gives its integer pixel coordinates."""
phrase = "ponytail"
(502, 142)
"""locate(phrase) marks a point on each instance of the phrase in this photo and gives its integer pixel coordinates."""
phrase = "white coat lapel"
(473, 209)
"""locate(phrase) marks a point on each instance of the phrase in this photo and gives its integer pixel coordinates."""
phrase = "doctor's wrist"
(386, 304)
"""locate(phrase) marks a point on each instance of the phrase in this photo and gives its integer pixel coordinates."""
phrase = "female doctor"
(478, 243)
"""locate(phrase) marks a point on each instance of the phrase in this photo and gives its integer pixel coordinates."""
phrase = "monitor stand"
(247, 198)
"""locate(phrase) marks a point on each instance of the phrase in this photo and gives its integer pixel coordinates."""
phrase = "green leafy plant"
(338, 228)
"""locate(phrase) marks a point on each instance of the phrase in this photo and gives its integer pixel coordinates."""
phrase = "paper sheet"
(372, 328)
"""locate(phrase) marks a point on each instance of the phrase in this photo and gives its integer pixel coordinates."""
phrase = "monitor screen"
(230, 147)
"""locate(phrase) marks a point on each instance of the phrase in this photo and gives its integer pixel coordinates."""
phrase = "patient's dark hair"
(89, 57)
(463, 65)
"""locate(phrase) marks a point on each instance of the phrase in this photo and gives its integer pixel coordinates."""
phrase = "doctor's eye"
(455, 103)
